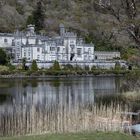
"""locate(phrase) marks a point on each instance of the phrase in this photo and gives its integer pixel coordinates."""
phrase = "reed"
(60, 117)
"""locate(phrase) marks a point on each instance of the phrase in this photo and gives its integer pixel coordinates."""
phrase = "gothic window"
(38, 49)
(5, 40)
(58, 49)
(18, 43)
(89, 58)
(13, 42)
(52, 48)
(38, 57)
(89, 50)
(37, 41)
(63, 50)
(24, 54)
(72, 42)
(79, 52)
(72, 46)
(85, 57)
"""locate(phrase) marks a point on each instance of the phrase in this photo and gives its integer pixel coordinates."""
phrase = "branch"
(134, 32)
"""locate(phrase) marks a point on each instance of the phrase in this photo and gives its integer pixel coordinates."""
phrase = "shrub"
(34, 66)
(4, 70)
(56, 66)
(93, 68)
(117, 66)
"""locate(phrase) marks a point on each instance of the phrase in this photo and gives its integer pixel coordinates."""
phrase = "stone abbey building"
(65, 48)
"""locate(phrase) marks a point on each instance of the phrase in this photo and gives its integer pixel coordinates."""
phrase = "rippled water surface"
(41, 105)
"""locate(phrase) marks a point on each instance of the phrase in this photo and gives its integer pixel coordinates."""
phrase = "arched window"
(5, 40)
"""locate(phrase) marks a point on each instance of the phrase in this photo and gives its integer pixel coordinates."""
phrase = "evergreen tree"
(3, 57)
(30, 20)
(38, 17)
(117, 66)
(56, 66)
(34, 66)
(24, 63)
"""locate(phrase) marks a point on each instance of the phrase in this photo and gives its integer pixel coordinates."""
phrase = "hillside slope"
(87, 18)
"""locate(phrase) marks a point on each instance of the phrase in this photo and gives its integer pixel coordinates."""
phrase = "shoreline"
(58, 76)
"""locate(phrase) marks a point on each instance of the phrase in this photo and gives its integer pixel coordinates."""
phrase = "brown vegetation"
(60, 118)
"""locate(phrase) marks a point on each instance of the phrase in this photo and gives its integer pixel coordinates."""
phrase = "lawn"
(83, 136)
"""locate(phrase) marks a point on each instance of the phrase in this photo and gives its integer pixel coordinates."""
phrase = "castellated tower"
(62, 29)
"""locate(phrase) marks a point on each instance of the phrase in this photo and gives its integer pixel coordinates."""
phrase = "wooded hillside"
(110, 24)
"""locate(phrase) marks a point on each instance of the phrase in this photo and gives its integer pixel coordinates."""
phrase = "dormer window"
(5, 40)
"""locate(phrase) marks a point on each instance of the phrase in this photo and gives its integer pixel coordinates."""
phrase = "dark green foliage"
(34, 66)
(78, 68)
(117, 66)
(30, 20)
(102, 43)
(56, 66)
(68, 67)
(3, 57)
(24, 63)
(93, 68)
(11, 67)
(38, 17)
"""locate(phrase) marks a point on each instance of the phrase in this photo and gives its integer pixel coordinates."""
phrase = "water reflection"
(35, 91)
(57, 104)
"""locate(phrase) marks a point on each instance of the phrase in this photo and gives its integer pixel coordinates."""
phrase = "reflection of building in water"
(71, 92)
(76, 93)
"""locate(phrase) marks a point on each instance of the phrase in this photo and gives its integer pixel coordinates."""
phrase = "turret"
(62, 29)
(31, 30)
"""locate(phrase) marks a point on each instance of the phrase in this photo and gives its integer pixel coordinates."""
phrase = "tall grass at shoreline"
(60, 118)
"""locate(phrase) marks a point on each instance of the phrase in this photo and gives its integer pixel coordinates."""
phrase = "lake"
(57, 105)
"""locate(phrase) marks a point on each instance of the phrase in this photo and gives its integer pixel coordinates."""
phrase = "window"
(89, 50)
(5, 40)
(79, 52)
(89, 57)
(13, 42)
(58, 49)
(86, 57)
(38, 49)
(71, 42)
(72, 46)
(18, 43)
(38, 57)
(52, 48)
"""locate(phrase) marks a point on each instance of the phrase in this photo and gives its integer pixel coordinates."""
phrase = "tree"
(34, 66)
(117, 66)
(56, 66)
(3, 57)
(38, 17)
(24, 63)
(127, 15)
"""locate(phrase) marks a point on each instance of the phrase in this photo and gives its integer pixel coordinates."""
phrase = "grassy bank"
(92, 136)
(56, 70)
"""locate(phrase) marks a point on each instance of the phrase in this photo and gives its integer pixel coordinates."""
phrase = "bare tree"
(127, 13)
